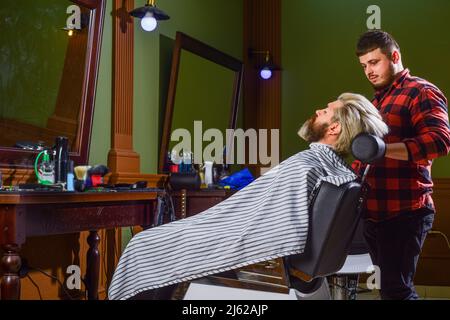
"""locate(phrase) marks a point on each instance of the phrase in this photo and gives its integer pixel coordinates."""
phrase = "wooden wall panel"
(434, 263)
(121, 157)
(262, 98)
(123, 161)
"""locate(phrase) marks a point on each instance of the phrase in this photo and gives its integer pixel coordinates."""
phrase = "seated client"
(267, 219)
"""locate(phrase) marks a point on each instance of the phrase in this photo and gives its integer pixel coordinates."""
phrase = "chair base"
(202, 291)
(344, 284)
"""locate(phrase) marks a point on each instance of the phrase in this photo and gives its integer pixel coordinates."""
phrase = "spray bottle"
(45, 171)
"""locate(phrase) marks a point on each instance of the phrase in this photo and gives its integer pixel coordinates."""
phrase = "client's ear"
(334, 129)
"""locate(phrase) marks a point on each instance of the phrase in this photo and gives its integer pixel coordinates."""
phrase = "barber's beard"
(390, 78)
(312, 131)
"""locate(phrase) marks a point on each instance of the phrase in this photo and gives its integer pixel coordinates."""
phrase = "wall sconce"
(72, 29)
(149, 15)
(267, 68)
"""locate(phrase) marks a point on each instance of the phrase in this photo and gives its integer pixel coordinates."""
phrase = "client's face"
(312, 130)
(316, 127)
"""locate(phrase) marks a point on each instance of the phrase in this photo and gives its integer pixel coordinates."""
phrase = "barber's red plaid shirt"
(416, 113)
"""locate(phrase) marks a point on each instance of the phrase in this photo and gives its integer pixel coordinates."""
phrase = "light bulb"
(148, 22)
(266, 73)
(70, 32)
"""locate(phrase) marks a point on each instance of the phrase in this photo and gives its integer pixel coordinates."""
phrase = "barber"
(399, 210)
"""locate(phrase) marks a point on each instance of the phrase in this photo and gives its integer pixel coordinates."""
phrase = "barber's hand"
(397, 151)
(368, 148)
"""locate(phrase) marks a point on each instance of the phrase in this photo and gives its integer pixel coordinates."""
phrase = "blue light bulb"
(266, 73)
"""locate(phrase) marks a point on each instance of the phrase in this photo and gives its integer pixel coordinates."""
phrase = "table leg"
(93, 265)
(11, 262)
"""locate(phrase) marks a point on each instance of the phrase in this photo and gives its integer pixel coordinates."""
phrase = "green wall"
(318, 44)
(208, 21)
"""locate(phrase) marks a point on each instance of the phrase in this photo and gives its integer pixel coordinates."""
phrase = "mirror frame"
(183, 41)
(17, 158)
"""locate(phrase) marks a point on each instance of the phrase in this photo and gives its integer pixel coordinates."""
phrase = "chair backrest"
(359, 243)
(335, 213)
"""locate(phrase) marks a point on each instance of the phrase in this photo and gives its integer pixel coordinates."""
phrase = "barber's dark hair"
(374, 39)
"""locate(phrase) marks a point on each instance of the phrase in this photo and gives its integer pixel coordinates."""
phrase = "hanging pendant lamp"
(149, 15)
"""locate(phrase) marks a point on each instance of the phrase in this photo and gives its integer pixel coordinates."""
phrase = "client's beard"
(312, 132)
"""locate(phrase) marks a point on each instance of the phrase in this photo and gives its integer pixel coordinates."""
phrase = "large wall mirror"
(204, 86)
(47, 77)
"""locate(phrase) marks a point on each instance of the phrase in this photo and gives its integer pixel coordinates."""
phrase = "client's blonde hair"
(357, 115)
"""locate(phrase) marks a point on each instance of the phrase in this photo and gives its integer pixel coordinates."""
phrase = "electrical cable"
(35, 284)
(441, 234)
(115, 252)
(54, 278)
(104, 250)
(104, 246)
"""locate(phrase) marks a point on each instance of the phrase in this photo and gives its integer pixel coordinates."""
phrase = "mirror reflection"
(41, 72)
(204, 93)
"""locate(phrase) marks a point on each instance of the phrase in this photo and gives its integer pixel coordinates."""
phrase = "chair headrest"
(368, 148)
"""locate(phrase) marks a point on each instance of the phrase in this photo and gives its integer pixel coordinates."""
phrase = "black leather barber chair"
(335, 214)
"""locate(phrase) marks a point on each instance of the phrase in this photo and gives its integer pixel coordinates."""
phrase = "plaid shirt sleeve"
(429, 117)
(357, 166)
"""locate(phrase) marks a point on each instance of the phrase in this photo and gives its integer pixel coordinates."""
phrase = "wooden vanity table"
(31, 214)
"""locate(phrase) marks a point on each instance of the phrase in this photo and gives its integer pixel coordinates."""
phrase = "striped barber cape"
(267, 219)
